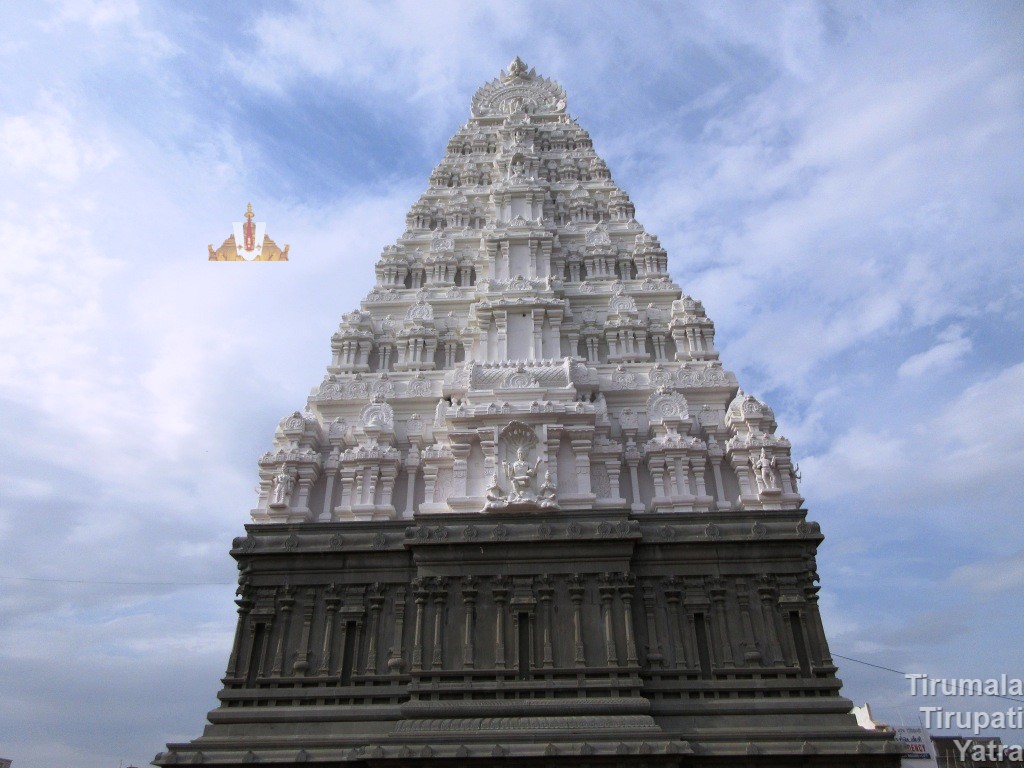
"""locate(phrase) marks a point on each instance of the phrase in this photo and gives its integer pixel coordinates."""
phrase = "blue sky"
(841, 184)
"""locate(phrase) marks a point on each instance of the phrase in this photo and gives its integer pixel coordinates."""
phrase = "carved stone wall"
(454, 635)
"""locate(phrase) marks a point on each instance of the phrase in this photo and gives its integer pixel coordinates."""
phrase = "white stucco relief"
(524, 293)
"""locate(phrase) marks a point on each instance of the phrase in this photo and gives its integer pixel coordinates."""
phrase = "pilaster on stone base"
(578, 501)
(433, 508)
(465, 504)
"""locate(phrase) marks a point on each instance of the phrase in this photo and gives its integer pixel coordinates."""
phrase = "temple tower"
(527, 516)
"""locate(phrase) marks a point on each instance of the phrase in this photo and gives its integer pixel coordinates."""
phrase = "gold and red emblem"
(249, 242)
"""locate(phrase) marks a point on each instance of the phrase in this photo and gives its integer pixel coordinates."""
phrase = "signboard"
(916, 746)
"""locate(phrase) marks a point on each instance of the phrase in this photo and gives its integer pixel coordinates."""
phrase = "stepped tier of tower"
(524, 307)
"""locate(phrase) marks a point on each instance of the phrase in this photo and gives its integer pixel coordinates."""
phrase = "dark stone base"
(568, 639)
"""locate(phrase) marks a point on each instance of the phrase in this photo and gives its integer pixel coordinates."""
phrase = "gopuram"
(527, 518)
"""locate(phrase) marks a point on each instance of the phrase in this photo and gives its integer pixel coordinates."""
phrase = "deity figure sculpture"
(283, 483)
(495, 496)
(521, 474)
(546, 497)
(765, 467)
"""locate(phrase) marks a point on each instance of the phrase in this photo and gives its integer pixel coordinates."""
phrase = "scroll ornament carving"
(355, 389)
(520, 379)
(659, 377)
(421, 310)
(598, 236)
(628, 418)
(622, 304)
(377, 414)
(419, 386)
(623, 379)
(666, 405)
(383, 387)
(329, 389)
(441, 242)
(701, 377)
(337, 429)
(294, 421)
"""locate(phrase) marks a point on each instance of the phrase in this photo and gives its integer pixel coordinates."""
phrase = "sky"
(840, 184)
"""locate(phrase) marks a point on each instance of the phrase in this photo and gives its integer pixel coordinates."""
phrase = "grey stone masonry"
(528, 517)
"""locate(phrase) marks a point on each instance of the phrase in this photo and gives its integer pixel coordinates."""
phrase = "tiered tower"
(527, 516)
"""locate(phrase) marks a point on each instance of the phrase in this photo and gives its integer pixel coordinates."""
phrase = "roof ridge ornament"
(518, 68)
(517, 91)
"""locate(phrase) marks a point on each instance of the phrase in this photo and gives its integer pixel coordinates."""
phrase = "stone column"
(546, 592)
(469, 593)
(440, 597)
(614, 468)
(331, 467)
(607, 591)
(680, 471)
(245, 605)
(500, 591)
(422, 595)
(742, 467)
(460, 451)
(766, 592)
(388, 474)
(582, 441)
(430, 471)
(654, 657)
(412, 468)
(817, 630)
(626, 594)
(286, 602)
(376, 601)
(698, 465)
(348, 479)
(308, 474)
(302, 655)
(331, 602)
(553, 439)
(751, 653)
(501, 319)
(656, 464)
(673, 596)
(395, 661)
(633, 462)
(715, 455)
(490, 451)
(716, 591)
(537, 348)
(576, 590)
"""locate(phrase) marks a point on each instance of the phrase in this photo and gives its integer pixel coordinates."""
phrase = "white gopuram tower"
(527, 516)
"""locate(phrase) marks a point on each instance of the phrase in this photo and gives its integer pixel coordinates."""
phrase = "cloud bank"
(839, 185)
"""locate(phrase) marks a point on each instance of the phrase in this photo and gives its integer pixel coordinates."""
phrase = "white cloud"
(991, 576)
(44, 146)
(965, 452)
(952, 346)
(832, 185)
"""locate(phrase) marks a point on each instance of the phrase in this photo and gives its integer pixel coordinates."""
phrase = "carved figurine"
(283, 483)
(547, 496)
(765, 469)
(521, 474)
(495, 496)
